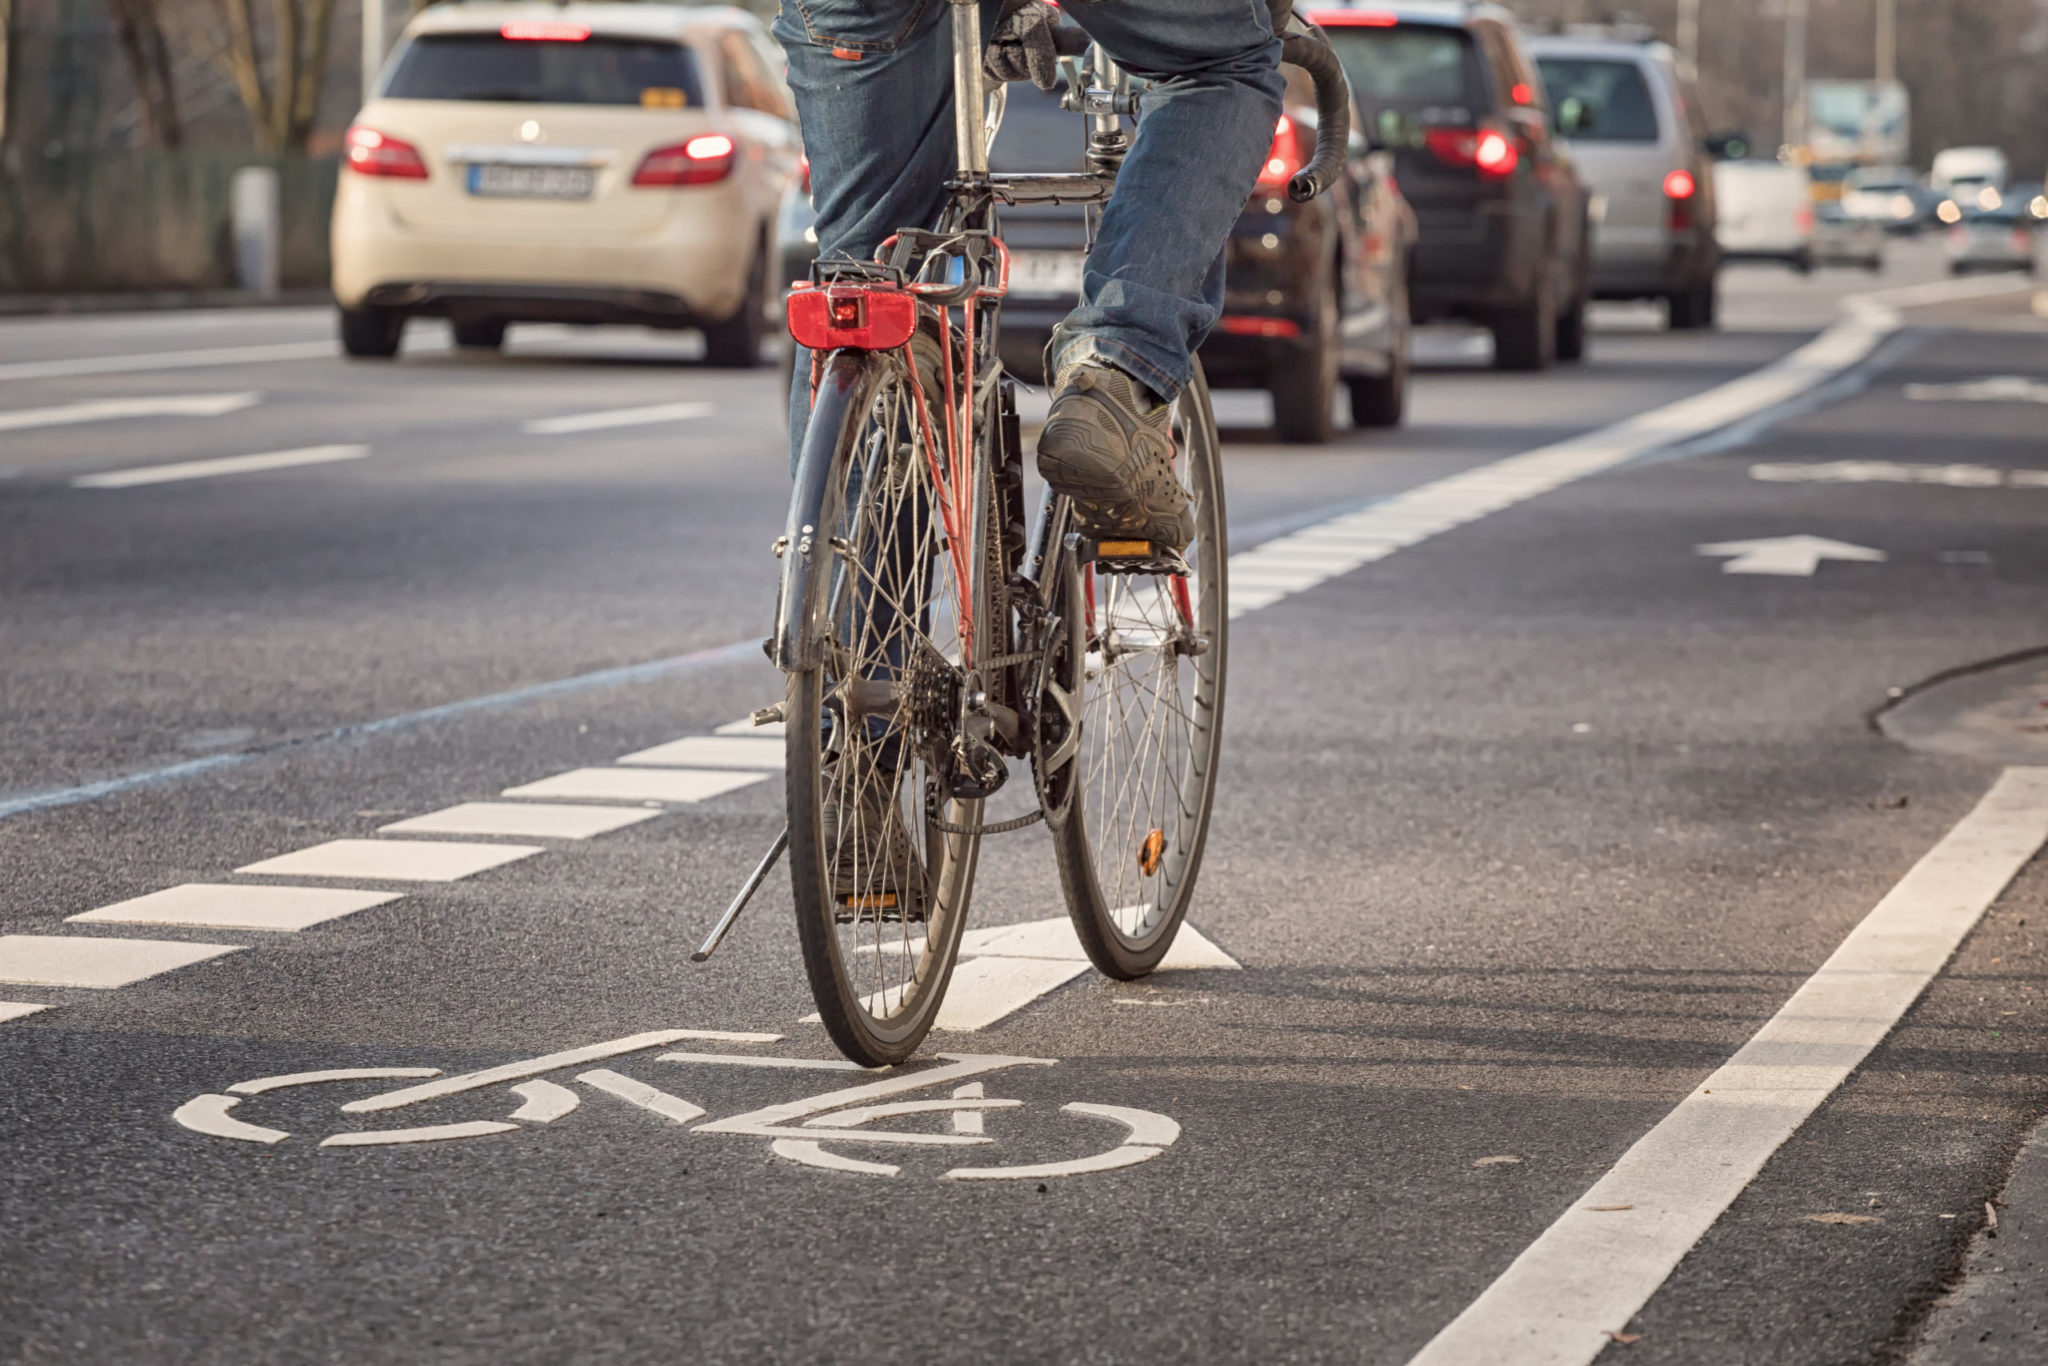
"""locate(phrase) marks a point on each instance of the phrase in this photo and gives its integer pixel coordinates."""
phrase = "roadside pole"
(1794, 131)
(1689, 31)
(373, 44)
(1887, 40)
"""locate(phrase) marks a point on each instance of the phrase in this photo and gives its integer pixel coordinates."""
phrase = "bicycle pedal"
(885, 907)
(1114, 556)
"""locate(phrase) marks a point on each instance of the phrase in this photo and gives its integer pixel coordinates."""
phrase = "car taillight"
(370, 152)
(1679, 185)
(1679, 188)
(1284, 158)
(2022, 239)
(545, 33)
(1488, 150)
(700, 161)
(803, 173)
(1804, 218)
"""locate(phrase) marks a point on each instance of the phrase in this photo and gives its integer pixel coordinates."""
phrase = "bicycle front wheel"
(1133, 698)
(881, 885)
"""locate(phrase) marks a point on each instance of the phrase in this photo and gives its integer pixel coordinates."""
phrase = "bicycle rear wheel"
(1132, 695)
(881, 890)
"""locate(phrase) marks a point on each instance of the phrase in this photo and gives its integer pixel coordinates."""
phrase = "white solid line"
(515, 1071)
(432, 1133)
(223, 906)
(641, 1094)
(112, 409)
(46, 960)
(214, 469)
(618, 417)
(209, 1115)
(166, 360)
(14, 1010)
(546, 1101)
(262, 1084)
(1590, 1272)
(637, 784)
(714, 751)
(393, 860)
(532, 820)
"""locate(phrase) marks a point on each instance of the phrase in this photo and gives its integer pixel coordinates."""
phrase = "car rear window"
(589, 70)
(1405, 66)
(1599, 100)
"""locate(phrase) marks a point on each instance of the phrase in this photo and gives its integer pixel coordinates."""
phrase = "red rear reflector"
(370, 152)
(1679, 185)
(545, 33)
(1238, 326)
(702, 160)
(1354, 18)
(864, 318)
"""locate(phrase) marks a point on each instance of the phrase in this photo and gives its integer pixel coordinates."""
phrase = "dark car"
(1314, 294)
(1502, 212)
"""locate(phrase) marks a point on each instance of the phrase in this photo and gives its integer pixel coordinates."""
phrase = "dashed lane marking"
(530, 820)
(618, 417)
(222, 906)
(1894, 472)
(393, 860)
(712, 751)
(1990, 389)
(194, 359)
(116, 409)
(218, 467)
(14, 1010)
(1602, 1260)
(637, 784)
(44, 960)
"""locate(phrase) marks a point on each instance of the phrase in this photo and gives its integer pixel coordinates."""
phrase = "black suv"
(1502, 213)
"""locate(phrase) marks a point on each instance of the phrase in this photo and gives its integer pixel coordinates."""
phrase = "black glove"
(1022, 47)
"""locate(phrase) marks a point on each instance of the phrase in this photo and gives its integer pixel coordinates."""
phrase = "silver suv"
(1633, 117)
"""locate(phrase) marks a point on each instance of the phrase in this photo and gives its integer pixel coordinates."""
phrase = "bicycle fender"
(845, 383)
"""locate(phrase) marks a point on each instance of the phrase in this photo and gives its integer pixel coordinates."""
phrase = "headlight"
(1987, 198)
(2038, 206)
(1902, 206)
(1947, 212)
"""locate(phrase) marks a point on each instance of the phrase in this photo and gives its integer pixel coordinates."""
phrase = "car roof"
(612, 20)
(1643, 53)
(1447, 13)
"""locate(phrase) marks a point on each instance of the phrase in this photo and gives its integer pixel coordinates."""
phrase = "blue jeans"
(874, 90)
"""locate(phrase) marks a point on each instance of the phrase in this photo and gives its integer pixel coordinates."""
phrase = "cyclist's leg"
(873, 81)
(1154, 283)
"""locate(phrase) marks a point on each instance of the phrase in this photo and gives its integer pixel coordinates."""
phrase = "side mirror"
(1726, 146)
(1574, 116)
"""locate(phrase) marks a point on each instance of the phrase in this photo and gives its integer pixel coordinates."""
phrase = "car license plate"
(500, 181)
(1046, 272)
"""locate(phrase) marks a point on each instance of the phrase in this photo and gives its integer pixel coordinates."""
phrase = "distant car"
(1961, 171)
(1889, 196)
(1766, 212)
(1503, 214)
(1632, 117)
(584, 163)
(1315, 294)
(1840, 239)
(1992, 239)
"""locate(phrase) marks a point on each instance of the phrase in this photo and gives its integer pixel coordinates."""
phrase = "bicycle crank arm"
(739, 903)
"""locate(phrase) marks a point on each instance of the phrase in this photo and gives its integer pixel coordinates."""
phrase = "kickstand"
(739, 903)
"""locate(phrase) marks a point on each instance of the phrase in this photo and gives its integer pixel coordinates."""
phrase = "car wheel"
(1526, 338)
(1802, 264)
(1875, 265)
(487, 335)
(371, 333)
(1382, 400)
(735, 344)
(1304, 383)
(1571, 333)
(1692, 309)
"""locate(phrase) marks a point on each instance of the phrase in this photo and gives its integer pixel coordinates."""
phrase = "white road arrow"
(1793, 555)
(104, 410)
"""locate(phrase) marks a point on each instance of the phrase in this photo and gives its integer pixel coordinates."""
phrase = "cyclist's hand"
(1022, 47)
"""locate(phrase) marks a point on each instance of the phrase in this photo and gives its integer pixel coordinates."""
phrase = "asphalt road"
(1524, 831)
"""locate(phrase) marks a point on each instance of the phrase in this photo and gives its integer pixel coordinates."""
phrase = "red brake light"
(1355, 18)
(373, 153)
(1679, 185)
(1520, 92)
(1284, 158)
(1494, 154)
(700, 161)
(1239, 325)
(545, 33)
(1488, 150)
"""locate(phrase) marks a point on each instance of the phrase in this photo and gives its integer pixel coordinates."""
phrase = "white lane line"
(533, 1067)
(431, 1133)
(637, 784)
(393, 860)
(46, 960)
(114, 409)
(1895, 472)
(216, 468)
(713, 751)
(1591, 1271)
(531, 820)
(14, 1010)
(220, 906)
(618, 417)
(546, 1101)
(641, 1094)
(167, 360)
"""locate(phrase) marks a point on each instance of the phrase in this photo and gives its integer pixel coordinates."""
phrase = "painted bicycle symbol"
(810, 1130)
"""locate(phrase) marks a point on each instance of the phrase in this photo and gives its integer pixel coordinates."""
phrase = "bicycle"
(927, 639)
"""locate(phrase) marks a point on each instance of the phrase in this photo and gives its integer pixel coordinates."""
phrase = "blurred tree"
(278, 68)
(139, 26)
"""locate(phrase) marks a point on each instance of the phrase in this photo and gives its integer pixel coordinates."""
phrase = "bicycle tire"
(1126, 802)
(878, 978)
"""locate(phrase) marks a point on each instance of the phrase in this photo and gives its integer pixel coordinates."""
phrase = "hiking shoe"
(876, 871)
(1107, 447)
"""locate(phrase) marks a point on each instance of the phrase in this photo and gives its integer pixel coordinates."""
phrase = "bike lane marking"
(519, 1071)
(46, 960)
(637, 784)
(226, 906)
(393, 860)
(1600, 1262)
(524, 820)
